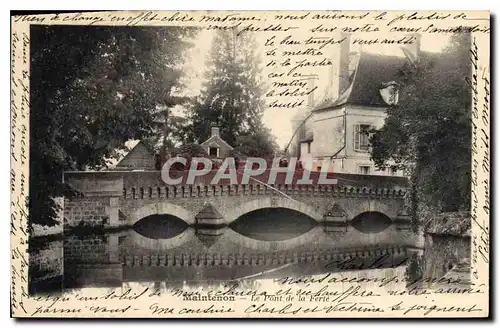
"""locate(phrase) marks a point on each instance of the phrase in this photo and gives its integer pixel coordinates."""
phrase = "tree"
(260, 144)
(428, 132)
(93, 88)
(231, 97)
(167, 129)
(187, 151)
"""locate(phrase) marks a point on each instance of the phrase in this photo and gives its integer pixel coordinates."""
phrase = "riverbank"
(44, 233)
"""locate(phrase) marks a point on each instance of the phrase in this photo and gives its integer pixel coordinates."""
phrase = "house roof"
(370, 75)
(216, 140)
(121, 153)
(135, 146)
(301, 114)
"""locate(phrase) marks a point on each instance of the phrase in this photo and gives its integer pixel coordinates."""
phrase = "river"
(268, 243)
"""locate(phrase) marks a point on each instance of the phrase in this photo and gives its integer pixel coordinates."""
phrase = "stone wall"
(86, 212)
(443, 252)
(447, 243)
(96, 204)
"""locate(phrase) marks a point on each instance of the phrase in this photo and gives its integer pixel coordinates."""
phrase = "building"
(140, 157)
(336, 131)
(215, 146)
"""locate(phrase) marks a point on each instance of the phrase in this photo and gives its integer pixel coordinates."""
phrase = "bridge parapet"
(186, 191)
(107, 180)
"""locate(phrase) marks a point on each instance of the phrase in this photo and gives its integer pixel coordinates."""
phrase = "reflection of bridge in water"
(200, 233)
(129, 256)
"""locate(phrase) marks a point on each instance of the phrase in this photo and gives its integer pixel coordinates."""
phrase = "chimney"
(215, 131)
(416, 44)
(310, 85)
(412, 51)
(344, 59)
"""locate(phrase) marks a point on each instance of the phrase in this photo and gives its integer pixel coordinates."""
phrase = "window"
(213, 151)
(362, 137)
(364, 170)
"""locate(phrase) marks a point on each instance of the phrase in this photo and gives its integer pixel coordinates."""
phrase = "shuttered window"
(364, 170)
(362, 137)
(213, 151)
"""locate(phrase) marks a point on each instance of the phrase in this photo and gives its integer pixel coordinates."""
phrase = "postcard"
(239, 164)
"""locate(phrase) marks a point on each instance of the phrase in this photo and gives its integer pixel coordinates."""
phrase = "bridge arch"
(267, 202)
(164, 208)
(371, 222)
(354, 207)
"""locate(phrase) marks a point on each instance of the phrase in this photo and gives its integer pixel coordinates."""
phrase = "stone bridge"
(121, 198)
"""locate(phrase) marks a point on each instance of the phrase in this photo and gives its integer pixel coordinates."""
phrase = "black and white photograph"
(206, 161)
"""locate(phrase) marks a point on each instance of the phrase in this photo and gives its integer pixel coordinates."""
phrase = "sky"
(279, 119)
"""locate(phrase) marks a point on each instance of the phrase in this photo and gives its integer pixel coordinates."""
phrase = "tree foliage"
(232, 96)
(189, 151)
(428, 132)
(92, 89)
(260, 144)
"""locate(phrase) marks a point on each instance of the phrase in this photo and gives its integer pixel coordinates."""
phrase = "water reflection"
(45, 264)
(160, 226)
(260, 244)
(371, 222)
(273, 224)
